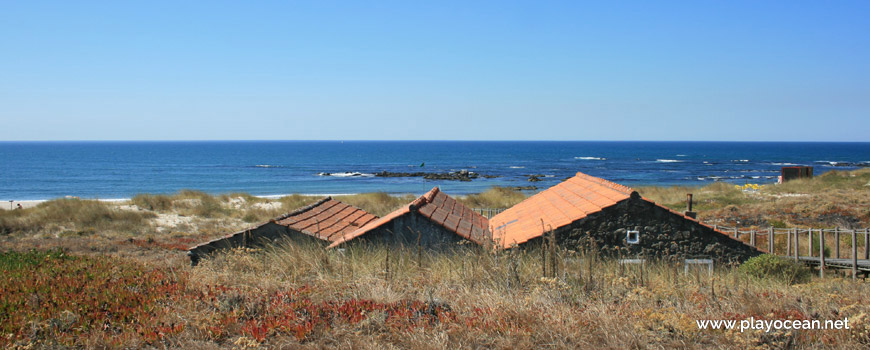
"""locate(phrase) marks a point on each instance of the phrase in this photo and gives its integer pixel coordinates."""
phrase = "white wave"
(681, 155)
(590, 158)
(347, 174)
(783, 164)
(740, 160)
(831, 163)
(516, 167)
(267, 166)
(668, 161)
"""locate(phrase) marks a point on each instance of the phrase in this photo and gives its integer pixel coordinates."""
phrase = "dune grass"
(714, 196)
(73, 216)
(835, 198)
(495, 197)
(378, 203)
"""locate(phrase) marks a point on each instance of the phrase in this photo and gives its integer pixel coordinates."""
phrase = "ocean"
(114, 170)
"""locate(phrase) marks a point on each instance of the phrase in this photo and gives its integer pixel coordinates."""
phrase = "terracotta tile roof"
(328, 219)
(555, 207)
(439, 208)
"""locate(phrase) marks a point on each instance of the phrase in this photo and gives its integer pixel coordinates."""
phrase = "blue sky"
(466, 70)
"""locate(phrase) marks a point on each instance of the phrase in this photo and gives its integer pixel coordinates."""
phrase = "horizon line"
(408, 140)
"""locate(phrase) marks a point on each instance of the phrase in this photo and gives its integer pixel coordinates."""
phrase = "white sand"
(6, 205)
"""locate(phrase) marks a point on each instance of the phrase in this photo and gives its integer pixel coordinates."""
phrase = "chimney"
(689, 212)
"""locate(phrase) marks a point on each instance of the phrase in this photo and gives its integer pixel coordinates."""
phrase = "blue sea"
(111, 170)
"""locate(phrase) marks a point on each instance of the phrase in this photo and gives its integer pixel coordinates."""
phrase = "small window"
(632, 237)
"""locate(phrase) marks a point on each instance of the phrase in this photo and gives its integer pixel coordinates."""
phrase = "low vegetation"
(777, 267)
(496, 197)
(370, 297)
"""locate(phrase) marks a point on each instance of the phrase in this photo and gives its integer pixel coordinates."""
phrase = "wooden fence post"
(770, 234)
(736, 233)
(854, 255)
(752, 238)
(788, 242)
(866, 244)
(837, 242)
(810, 242)
(821, 253)
(796, 244)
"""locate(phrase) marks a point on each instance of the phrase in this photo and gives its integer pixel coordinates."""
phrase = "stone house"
(324, 222)
(586, 211)
(435, 220)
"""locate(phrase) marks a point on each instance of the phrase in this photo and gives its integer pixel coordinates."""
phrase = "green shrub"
(777, 224)
(776, 267)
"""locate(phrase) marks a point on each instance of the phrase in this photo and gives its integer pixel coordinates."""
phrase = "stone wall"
(403, 231)
(662, 235)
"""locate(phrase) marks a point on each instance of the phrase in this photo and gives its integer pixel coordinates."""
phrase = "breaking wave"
(347, 174)
(669, 161)
(590, 158)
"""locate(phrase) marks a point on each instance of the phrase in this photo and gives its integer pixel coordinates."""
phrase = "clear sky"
(408, 70)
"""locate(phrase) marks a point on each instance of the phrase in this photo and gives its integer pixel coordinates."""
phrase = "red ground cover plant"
(50, 297)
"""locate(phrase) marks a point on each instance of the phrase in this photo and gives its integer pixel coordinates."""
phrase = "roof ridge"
(305, 208)
(427, 197)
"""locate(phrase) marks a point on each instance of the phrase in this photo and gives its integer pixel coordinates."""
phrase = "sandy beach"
(12, 204)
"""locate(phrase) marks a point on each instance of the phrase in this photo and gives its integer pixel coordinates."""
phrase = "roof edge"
(304, 209)
(699, 222)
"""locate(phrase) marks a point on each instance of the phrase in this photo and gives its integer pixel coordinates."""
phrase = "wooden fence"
(852, 258)
(488, 212)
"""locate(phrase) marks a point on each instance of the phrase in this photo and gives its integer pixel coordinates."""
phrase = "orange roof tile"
(558, 206)
(441, 210)
(327, 219)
